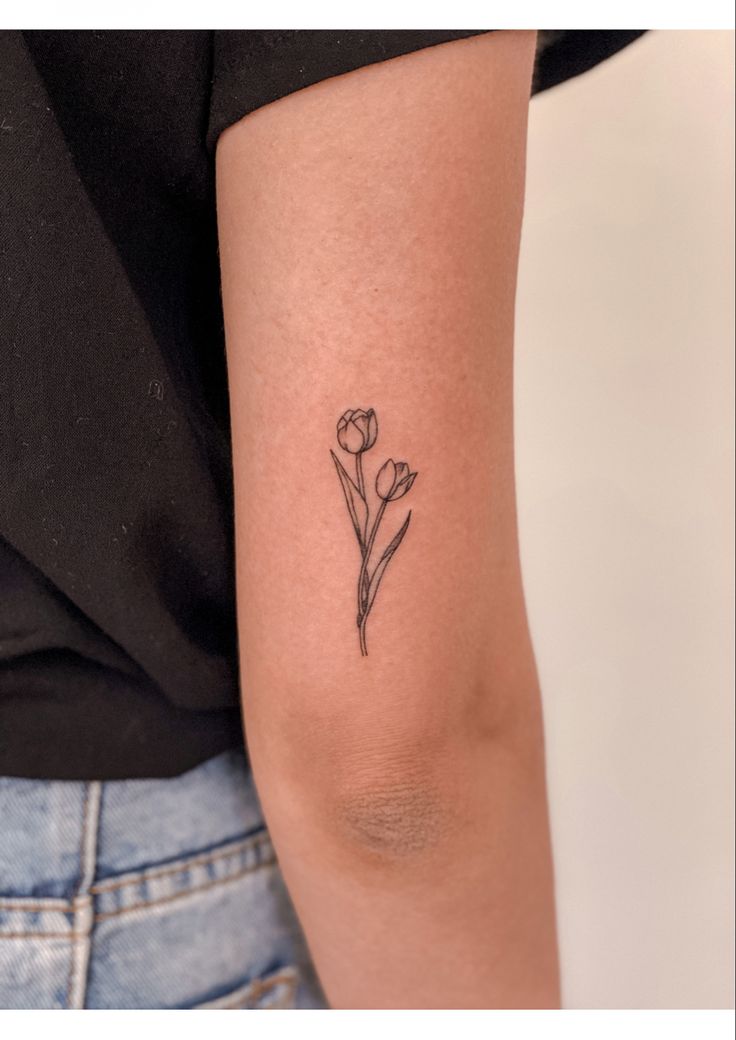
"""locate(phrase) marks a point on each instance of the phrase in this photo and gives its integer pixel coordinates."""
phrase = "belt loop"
(83, 899)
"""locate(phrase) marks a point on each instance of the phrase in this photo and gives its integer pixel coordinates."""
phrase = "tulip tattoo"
(356, 433)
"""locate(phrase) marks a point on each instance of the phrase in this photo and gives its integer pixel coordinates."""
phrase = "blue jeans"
(146, 894)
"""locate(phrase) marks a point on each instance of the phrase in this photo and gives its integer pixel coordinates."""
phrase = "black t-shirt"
(118, 647)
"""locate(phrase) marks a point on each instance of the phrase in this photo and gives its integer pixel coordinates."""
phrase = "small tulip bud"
(393, 481)
(357, 430)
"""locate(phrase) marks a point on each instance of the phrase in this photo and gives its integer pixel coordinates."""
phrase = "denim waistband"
(146, 894)
(114, 845)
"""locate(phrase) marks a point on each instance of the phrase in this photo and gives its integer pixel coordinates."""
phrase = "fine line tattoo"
(356, 433)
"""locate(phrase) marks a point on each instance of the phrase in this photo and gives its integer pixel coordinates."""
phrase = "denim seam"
(248, 856)
(261, 988)
(42, 935)
(26, 918)
(82, 902)
(62, 905)
(287, 977)
(145, 904)
(181, 866)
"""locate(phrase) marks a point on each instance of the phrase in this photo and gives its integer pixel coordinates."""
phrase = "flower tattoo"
(356, 433)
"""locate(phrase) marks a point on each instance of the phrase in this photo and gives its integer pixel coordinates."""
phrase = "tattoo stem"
(364, 532)
(361, 488)
(363, 612)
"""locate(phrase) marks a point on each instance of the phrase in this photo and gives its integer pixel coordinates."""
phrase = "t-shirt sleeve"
(565, 53)
(252, 68)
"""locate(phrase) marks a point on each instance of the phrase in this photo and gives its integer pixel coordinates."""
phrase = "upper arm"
(369, 230)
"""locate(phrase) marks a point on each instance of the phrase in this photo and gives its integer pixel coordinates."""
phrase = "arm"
(369, 230)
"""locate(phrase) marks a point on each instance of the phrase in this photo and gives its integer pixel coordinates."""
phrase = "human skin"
(369, 231)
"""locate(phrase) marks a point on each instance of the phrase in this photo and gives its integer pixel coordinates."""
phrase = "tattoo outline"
(357, 430)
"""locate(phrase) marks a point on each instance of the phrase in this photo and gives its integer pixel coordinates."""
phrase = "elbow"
(387, 787)
(395, 818)
(391, 804)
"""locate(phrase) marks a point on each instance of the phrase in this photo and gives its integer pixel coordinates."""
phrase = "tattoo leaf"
(384, 561)
(356, 504)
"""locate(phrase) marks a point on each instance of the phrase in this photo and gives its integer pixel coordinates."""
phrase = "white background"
(624, 397)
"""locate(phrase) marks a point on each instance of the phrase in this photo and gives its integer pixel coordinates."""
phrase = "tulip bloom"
(394, 480)
(357, 430)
